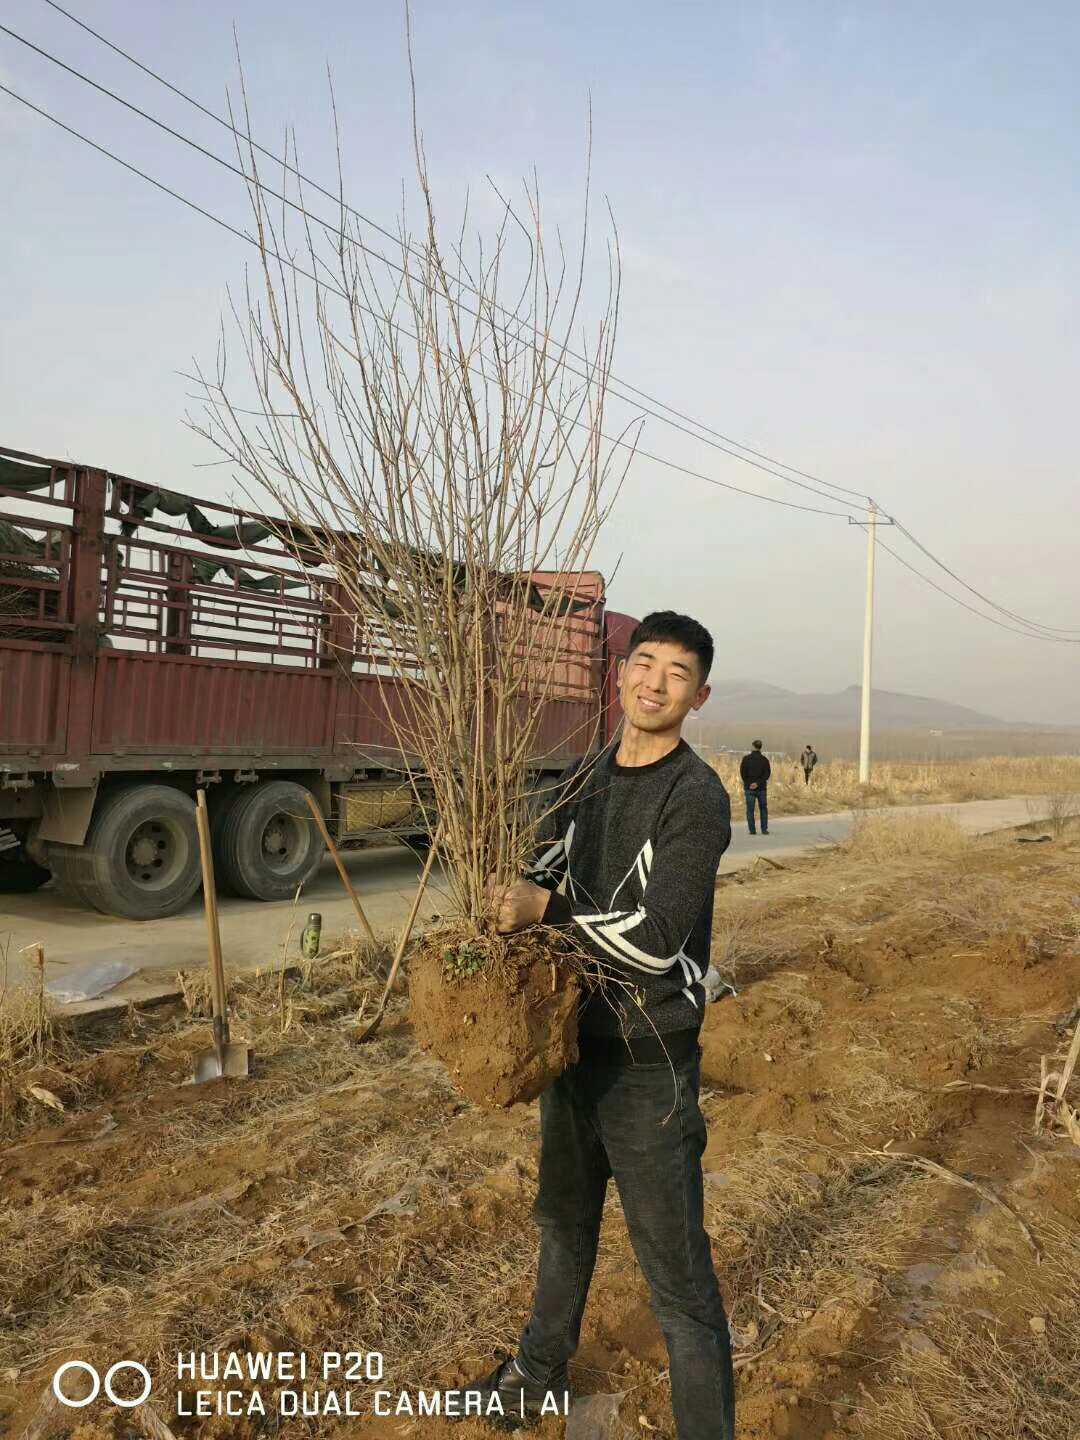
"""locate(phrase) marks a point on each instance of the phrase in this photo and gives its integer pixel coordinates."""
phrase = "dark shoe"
(764, 832)
(520, 1399)
(753, 832)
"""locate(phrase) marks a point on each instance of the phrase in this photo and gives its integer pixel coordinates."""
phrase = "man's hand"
(518, 905)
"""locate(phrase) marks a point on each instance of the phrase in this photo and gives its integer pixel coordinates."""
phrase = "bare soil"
(898, 1250)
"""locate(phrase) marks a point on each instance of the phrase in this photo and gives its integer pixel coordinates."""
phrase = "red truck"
(152, 643)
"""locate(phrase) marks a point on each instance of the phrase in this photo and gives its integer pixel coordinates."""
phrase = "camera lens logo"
(97, 1382)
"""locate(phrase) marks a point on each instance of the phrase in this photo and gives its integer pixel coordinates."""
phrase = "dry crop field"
(899, 1250)
(892, 742)
(835, 784)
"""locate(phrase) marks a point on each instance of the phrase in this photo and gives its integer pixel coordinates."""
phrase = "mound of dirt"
(506, 1030)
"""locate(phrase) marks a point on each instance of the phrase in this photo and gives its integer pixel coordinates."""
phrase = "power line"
(1028, 634)
(1034, 629)
(334, 232)
(726, 442)
(1001, 609)
(341, 294)
(770, 465)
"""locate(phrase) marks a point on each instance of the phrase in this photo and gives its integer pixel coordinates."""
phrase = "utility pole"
(868, 649)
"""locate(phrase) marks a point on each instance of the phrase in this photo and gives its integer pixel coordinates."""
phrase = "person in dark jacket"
(754, 771)
(626, 865)
(808, 759)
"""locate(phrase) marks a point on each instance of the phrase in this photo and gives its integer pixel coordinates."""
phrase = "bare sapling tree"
(1062, 807)
(418, 419)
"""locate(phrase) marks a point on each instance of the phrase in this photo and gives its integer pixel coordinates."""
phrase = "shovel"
(403, 940)
(229, 1058)
(364, 924)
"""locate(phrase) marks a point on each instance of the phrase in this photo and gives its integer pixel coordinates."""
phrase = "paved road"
(798, 834)
(253, 935)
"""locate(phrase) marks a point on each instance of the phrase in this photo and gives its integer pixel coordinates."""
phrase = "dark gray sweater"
(638, 847)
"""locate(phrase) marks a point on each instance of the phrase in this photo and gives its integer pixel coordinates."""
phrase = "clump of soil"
(501, 1016)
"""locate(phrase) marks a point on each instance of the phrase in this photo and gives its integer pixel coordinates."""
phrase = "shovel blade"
(234, 1063)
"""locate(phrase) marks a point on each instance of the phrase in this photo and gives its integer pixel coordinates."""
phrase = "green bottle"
(309, 941)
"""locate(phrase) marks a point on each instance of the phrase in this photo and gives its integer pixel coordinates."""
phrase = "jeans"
(761, 795)
(641, 1125)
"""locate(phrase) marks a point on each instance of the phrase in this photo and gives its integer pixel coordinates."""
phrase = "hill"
(751, 702)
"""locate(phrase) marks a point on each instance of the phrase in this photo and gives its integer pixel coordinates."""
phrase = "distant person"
(754, 771)
(808, 759)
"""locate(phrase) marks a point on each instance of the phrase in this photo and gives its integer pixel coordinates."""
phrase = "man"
(808, 759)
(754, 771)
(637, 839)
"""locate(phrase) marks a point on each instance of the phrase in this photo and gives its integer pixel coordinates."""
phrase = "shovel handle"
(313, 806)
(213, 932)
(403, 939)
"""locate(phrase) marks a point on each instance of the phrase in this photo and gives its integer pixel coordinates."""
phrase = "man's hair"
(665, 626)
(756, 744)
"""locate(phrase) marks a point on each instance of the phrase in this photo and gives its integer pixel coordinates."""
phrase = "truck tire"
(141, 854)
(19, 875)
(266, 842)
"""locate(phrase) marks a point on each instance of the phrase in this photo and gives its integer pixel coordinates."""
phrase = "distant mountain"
(752, 702)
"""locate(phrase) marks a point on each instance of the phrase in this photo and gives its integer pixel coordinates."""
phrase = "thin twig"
(443, 477)
(774, 863)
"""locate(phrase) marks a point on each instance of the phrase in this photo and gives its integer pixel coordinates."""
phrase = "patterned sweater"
(638, 848)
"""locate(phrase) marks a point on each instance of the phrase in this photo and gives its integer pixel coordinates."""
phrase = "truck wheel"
(266, 841)
(141, 854)
(18, 873)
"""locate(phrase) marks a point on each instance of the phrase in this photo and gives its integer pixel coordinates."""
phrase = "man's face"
(659, 684)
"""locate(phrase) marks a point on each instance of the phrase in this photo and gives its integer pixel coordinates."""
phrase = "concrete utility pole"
(868, 649)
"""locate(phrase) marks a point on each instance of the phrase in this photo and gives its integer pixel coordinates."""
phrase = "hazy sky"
(850, 236)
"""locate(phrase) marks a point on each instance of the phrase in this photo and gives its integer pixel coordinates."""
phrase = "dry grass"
(306, 990)
(26, 1028)
(971, 1378)
(791, 990)
(881, 838)
(750, 940)
(281, 1015)
(921, 877)
(26, 1025)
(29, 1042)
(966, 1382)
(870, 1098)
(322, 1124)
(424, 1297)
(739, 948)
(67, 1263)
(799, 1227)
(1057, 810)
(835, 785)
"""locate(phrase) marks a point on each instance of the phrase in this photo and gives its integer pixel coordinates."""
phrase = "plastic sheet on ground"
(88, 980)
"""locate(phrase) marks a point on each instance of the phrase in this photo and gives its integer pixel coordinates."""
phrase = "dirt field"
(895, 1000)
